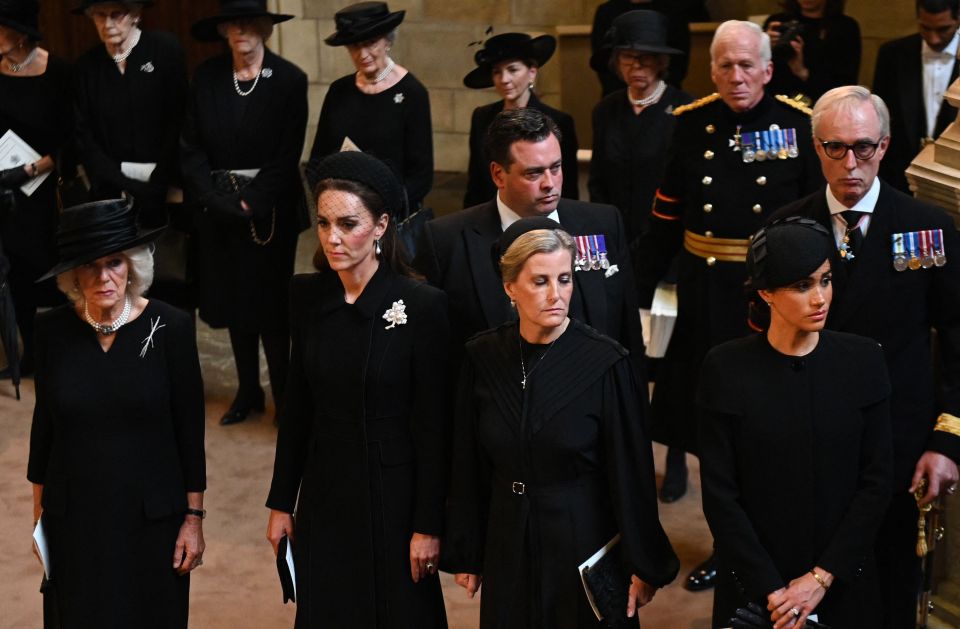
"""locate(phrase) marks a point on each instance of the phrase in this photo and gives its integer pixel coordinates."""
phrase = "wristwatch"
(200, 513)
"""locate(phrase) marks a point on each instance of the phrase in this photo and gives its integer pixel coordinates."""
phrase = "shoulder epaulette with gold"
(700, 102)
(786, 100)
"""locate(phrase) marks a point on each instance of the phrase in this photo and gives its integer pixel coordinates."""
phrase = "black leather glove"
(13, 177)
(226, 207)
(751, 617)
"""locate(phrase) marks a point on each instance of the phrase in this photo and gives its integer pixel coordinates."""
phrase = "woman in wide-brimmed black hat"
(632, 129)
(116, 447)
(381, 109)
(509, 62)
(245, 124)
(36, 106)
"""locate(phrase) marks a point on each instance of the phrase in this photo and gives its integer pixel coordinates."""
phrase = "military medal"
(763, 142)
(749, 153)
(781, 145)
(899, 259)
(582, 262)
(792, 149)
(926, 243)
(601, 248)
(914, 262)
(939, 254)
(737, 142)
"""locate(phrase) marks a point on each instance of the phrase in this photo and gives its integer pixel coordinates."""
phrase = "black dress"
(243, 284)
(831, 52)
(39, 110)
(117, 442)
(393, 126)
(796, 467)
(630, 154)
(480, 186)
(575, 440)
(361, 441)
(132, 117)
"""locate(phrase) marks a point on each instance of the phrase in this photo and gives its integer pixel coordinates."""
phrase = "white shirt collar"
(865, 204)
(508, 217)
(949, 51)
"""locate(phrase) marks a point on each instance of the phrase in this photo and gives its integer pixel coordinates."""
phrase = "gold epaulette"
(786, 100)
(700, 102)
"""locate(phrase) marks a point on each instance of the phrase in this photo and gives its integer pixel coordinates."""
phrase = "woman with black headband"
(795, 447)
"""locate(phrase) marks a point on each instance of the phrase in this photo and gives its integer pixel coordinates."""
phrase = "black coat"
(132, 117)
(898, 80)
(240, 283)
(362, 442)
(575, 438)
(480, 186)
(710, 191)
(898, 310)
(456, 255)
(117, 442)
(829, 410)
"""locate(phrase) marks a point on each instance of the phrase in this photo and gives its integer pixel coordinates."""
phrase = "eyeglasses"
(644, 61)
(838, 150)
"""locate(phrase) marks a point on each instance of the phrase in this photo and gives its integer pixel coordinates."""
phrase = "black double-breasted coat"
(360, 450)
(480, 186)
(711, 192)
(241, 283)
(545, 475)
(796, 465)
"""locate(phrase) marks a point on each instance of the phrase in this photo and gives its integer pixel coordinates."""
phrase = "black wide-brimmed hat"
(205, 29)
(640, 31)
(86, 4)
(787, 251)
(367, 170)
(93, 230)
(504, 47)
(21, 16)
(363, 21)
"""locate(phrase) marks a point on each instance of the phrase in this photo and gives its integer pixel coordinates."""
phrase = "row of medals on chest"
(760, 146)
(922, 249)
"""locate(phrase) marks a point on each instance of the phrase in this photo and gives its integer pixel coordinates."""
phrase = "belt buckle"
(519, 488)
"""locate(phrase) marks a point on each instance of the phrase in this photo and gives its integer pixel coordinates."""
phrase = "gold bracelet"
(820, 580)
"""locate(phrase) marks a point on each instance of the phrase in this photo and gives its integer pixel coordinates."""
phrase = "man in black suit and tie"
(896, 276)
(918, 112)
(456, 251)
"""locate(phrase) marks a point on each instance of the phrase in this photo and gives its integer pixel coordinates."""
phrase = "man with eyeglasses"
(736, 157)
(912, 75)
(895, 278)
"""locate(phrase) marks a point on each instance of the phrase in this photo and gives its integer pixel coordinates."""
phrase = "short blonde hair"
(531, 243)
(139, 274)
(847, 98)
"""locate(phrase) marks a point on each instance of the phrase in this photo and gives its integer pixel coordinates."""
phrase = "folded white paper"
(293, 571)
(14, 152)
(590, 563)
(663, 316)
(138, 171)
(348, 145)
(248, 172)
(40, 543)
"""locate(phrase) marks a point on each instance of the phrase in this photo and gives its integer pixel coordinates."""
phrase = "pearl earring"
(376, 246)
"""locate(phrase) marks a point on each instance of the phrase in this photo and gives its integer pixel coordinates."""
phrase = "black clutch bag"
(607, 585)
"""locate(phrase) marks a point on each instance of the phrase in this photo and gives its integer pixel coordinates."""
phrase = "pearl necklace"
(17, 67)
(106, 329)
(236, 83)
(118, 59)
(643, 102)
(380, 77)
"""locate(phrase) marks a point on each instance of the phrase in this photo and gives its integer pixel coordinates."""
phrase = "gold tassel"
(922, 520)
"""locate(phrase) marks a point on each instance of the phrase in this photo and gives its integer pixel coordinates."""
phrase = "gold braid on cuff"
(948, 423)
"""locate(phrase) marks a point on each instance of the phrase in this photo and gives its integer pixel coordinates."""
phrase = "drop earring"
(376, 246)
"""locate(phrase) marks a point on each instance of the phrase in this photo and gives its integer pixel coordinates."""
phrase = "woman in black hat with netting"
(116, 447)
(360, 451)
(382, 109)
(509, 62)
(795, 447)
(36, 106)
(242, 140)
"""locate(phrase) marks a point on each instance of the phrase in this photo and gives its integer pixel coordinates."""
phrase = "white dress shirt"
(937, 67)
(865, 205)
(508, 217)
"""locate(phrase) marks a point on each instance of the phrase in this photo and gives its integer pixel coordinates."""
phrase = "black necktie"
(854, 235)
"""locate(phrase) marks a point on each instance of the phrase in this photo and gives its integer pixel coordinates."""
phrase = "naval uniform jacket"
(457, 255)
(546, 475)
(480, 186)
(898, 310)
(360, 450)
(898, 80)
(708, 190)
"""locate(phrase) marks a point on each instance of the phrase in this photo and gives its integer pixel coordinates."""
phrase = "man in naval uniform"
(896, 276)
(456, 251)
(737, 155)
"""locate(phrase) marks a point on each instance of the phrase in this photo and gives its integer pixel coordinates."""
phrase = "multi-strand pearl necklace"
(106, 329)
(380, 77)
(649, 100)
(17, 67)
(118, 59)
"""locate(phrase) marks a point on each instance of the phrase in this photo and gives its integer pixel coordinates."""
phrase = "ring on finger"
(430, 565)
(794, 611)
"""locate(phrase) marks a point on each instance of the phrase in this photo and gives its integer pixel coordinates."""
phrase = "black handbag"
(607, 586)
(229, 182)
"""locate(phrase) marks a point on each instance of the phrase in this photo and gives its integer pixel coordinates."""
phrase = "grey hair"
(846, 98)
(391, 37)
(134, 7)
(139, 274)
(531, 243)
(729, 30)
(263, 24)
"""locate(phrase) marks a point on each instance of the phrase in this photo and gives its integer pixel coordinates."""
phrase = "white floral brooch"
(267, 73)
(398, 98)
(147, 67)
(148, 341)
(395, 315)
